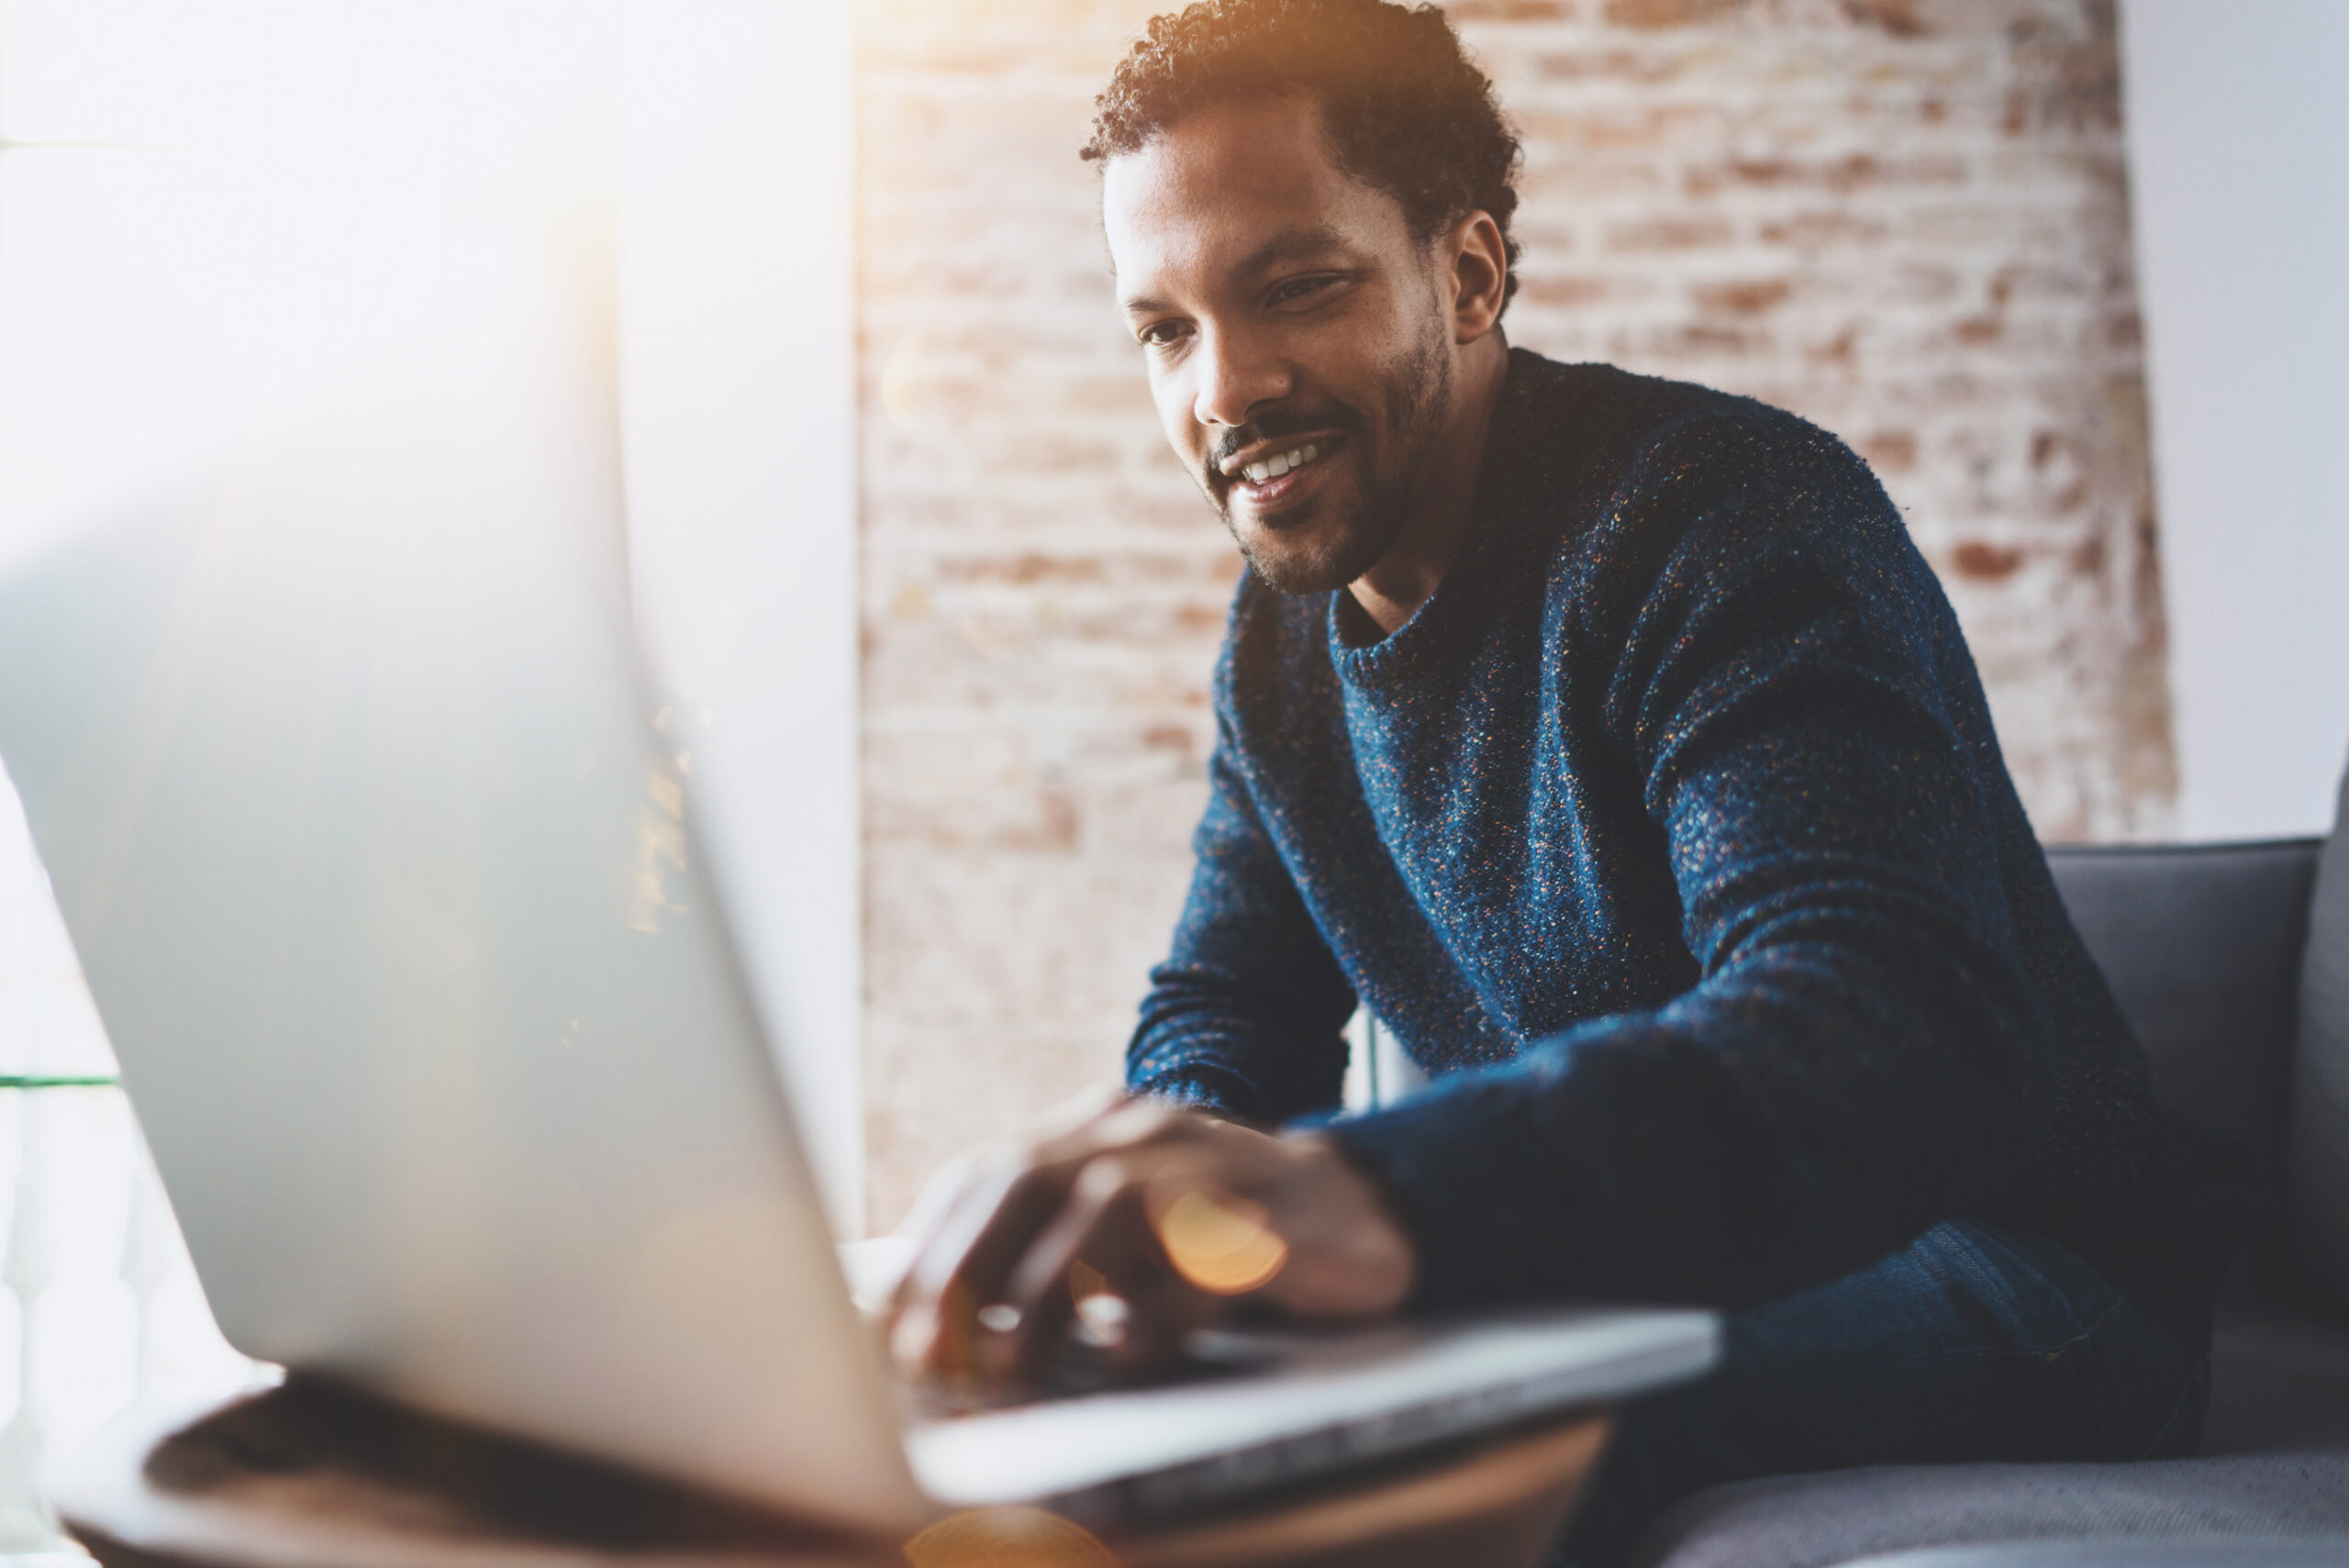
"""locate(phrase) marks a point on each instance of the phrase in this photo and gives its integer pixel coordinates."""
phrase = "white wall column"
(2238, 124)
(738, 377)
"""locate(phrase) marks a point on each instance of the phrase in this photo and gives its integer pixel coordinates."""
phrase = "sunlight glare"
(1224, 1246)
(431, 76)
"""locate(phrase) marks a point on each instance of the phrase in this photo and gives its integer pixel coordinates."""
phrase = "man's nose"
(1239, 374)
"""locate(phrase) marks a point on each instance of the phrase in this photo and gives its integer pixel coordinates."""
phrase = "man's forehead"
(1235, 187)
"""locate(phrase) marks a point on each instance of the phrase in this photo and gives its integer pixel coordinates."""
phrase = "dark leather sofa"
(2232, 961)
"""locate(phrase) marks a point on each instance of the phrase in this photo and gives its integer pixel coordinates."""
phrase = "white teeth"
(1287, 462)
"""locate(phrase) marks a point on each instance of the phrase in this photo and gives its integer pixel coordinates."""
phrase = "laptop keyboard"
(1079, 1368)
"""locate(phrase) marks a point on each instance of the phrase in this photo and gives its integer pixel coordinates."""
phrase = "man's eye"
(1298, 288)
(1160, 334)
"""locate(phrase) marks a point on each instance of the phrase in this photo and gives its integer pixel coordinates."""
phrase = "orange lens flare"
(1006, 1538)
(1224, 1246)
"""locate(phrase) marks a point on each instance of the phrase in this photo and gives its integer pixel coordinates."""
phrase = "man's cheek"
(1195, 459)
(1173, 405)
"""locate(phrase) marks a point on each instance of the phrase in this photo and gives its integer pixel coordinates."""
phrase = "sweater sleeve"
(1861, 1056)
(1245, 1017)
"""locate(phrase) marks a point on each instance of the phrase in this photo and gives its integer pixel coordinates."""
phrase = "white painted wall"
(2238, 124)
(736, 335)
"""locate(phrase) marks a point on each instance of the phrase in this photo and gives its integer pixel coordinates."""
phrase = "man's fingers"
(960, 1274)
(1154, 1231)
(954, 1209)
(1173, 1214)
(978, 1218)
(1161, 1311)
(1038, 1292)
(1100, 1246)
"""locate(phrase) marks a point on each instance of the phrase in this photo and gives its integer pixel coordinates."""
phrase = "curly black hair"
(1407, 111)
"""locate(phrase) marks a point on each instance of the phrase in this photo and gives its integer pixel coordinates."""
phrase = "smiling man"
(1608, 738)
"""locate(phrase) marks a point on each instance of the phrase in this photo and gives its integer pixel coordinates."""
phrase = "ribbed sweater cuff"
(1457, 1169)
(1199, 1085)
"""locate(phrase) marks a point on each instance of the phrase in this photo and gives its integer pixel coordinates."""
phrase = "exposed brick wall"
(1904, 218)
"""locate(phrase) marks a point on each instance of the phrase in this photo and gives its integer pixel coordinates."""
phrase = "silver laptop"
(384, 875)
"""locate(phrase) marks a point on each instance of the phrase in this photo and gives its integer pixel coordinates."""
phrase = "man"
(1610, 741)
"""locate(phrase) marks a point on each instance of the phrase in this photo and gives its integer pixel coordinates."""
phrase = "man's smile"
(1267, 472)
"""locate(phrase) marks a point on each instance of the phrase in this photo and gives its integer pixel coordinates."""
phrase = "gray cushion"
(2318, 1144)
(2201, 944)
(2280, 1378)
(1816, 1521)
(2222, 1553)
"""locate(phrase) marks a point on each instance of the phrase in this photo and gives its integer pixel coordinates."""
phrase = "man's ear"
(1479, 267)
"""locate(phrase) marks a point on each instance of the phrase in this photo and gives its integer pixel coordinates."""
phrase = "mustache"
(1274, 423)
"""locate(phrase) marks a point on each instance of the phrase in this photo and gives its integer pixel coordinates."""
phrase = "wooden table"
(308, 1477)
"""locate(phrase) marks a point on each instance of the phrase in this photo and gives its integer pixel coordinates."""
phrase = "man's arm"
(1174, 1214)
(1245, 1017)
(1244, 1023)
(1861, 1056)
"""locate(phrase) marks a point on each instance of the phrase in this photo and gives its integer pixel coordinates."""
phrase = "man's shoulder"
(1589, 422)
(1595, 450)
(1628, 486)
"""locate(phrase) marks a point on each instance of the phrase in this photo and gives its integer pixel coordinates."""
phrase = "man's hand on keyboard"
(1130, 1225)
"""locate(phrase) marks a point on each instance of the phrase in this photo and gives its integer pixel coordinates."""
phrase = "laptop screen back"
(379, 866)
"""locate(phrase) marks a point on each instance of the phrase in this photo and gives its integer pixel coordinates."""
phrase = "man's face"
(1297, 332)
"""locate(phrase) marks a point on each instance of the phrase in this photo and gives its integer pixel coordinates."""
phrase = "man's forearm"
(1207, 1040)
(1245, 1017)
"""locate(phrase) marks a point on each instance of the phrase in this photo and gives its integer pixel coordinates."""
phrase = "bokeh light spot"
(1224, 1246)
(1006, 1538)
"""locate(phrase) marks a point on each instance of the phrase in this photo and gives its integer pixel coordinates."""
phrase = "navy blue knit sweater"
(1671, 835)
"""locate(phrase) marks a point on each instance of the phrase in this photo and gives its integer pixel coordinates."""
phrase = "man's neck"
(1406, 577)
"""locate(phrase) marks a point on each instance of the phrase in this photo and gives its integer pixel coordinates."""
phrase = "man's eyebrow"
(1287, 246)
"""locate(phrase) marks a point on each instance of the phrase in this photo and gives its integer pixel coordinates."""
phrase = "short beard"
(1419, 404)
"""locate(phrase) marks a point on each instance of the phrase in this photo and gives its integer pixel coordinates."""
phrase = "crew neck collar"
(1409, 646)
